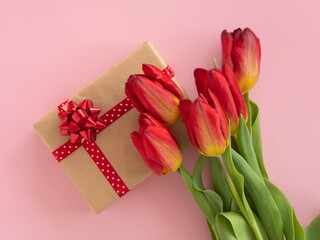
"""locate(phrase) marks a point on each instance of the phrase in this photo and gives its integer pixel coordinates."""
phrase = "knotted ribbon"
(82, 123)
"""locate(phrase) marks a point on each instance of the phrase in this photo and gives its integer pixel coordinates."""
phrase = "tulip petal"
(162, 148)
(173, 88)
(227, 43)
(158, 101)
(236, 35)
(200, 76)
(157, 74)
(153, 72)
(235, 91)
(208, 134)
(131, 95)
(184, 107)
(220, 87)
(246, 55)
(145, 119)
(155, 167)
(214, 102)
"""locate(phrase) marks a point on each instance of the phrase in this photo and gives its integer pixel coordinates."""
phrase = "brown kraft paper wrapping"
(114, 141)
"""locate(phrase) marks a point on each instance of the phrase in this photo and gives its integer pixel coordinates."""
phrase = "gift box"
(104, 164)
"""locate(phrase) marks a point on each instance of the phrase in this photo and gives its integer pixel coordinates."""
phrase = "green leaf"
(220, 184)
(267, 209)
(313, 230)
(244, 143)
(197, 173)
(236, 185)
(232, 225)
(247, 101)
(261, 227)
(225, 229)
(213, 198)
(291, 226)
(300, 233)
(256, 137)
(213, 237)
(234, 205)
(198, 196)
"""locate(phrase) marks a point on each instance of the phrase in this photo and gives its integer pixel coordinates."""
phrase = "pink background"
(49, 50)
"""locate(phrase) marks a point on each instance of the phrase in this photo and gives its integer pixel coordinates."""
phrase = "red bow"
(79, 121)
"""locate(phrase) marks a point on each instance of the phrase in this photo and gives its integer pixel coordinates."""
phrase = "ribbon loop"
(79, 121)
(82, 123)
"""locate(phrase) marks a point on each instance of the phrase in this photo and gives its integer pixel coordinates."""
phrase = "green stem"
(238, 200)
(212, 233)
(214, 230)
(215, 64)
(247, 100)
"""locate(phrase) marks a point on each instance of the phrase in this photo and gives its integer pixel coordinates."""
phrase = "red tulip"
(241, 51)
(224, 86)
(155, 92)
(206, 124)
(157, 146)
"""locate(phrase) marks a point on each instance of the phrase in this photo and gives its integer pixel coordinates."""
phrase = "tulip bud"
(154, 92)
(206, 124)
(224, 86)
(242, 53)
(157, 146)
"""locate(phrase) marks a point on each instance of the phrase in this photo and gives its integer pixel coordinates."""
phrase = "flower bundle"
(223, 125)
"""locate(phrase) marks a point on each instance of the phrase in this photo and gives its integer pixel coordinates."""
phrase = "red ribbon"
(82, 123)
(79, 120)
(168, 71)
(87, 140)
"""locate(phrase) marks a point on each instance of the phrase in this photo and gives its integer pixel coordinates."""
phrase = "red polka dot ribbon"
(105, 167)
(82, 123)
(92, 148)
(168, 71)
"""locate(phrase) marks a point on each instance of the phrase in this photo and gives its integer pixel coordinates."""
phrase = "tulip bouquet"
(223, 125)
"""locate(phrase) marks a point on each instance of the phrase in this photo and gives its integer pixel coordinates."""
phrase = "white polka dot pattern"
(94, 151)
(65, 150)
(168, 71)
(106, 168)
(116, 112)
